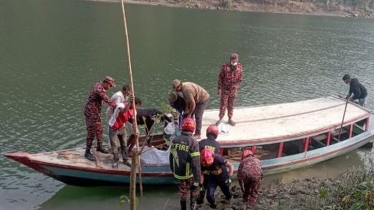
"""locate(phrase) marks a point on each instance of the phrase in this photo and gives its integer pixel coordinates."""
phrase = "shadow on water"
(82, 198)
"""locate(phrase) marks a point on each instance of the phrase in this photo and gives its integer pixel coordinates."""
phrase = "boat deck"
(287, 120)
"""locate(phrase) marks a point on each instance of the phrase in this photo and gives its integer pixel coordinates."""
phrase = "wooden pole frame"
(136, 156)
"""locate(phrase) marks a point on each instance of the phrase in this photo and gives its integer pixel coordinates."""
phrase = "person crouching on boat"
(357, 89)
(178, 103)
(196, 98)
(208, 143)
(214, 169)
(229, 80)
(249, 178)
(185, 163)
(92, 113)
(117, 131)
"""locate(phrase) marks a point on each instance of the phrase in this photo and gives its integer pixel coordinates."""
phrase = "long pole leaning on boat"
(341, 126)
(135, 157)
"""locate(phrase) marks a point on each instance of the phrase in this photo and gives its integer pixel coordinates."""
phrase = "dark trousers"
(211, 188)
(198, 114)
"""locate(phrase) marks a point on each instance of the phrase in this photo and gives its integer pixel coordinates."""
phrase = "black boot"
(100, 148)
(183, 205)
(88, 154)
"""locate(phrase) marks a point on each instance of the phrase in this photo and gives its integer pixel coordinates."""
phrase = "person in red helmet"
(185, 163)
(214, 169)
(208, 143)
(92, 113)
(249, 178)
(229, 80)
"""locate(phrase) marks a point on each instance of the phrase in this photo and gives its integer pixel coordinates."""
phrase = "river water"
(53, 51)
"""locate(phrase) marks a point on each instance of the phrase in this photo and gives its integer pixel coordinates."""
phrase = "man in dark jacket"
(214, 167)
(355, 87)
(211, 144)
(185, 163)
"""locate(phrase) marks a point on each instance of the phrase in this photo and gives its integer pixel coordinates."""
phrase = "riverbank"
(351, 190)
(274, 6)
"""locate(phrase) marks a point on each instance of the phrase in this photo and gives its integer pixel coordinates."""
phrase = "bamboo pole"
(341, 126)
(135, 159)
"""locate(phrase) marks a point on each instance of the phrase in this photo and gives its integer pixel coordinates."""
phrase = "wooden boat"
(286, 136)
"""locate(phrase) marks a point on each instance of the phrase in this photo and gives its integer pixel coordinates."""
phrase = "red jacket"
(120, 116)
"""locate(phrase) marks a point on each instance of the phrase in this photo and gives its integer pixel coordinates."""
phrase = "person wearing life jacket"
(249, 178)
(117, 133)
(208, 143)
(214, 169)
(92, 113)
(185, 163)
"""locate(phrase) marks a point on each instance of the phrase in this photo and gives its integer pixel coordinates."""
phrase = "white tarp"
(152, 155)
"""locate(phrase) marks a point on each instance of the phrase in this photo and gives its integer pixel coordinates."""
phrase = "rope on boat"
(137, 160)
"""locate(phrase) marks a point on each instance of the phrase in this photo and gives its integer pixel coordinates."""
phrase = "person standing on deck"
(249, 178)
(117, 131)
(196, 98)
(229, 81)
(118, 137)
(185, 163)
(214, 169)
(358, 90)
(208, 143)
(92, 113)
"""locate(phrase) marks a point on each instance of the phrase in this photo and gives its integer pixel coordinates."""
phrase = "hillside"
(346, 8)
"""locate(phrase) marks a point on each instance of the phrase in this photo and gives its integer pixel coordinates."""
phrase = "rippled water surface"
(52, 51)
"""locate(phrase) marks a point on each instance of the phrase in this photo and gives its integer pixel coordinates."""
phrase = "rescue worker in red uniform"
(214, 169)
(208, 143)
(249, 177)
(229, 80)
(185, 163)
(92, 113)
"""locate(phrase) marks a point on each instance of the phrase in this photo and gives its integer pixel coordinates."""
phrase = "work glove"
(228, 182)
(194, 186)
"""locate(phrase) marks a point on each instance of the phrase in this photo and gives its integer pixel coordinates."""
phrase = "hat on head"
(176, 83)
(234, 57)
(110, 81)
(346, 76)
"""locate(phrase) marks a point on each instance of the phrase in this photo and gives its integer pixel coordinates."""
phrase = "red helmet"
(188, 124)
(212, 129)
(206, 157)
(246, 153)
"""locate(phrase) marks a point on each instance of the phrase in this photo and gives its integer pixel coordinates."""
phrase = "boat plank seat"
(319, 137)
(265, 123)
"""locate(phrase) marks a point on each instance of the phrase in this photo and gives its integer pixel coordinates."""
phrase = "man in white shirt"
(118, 136)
